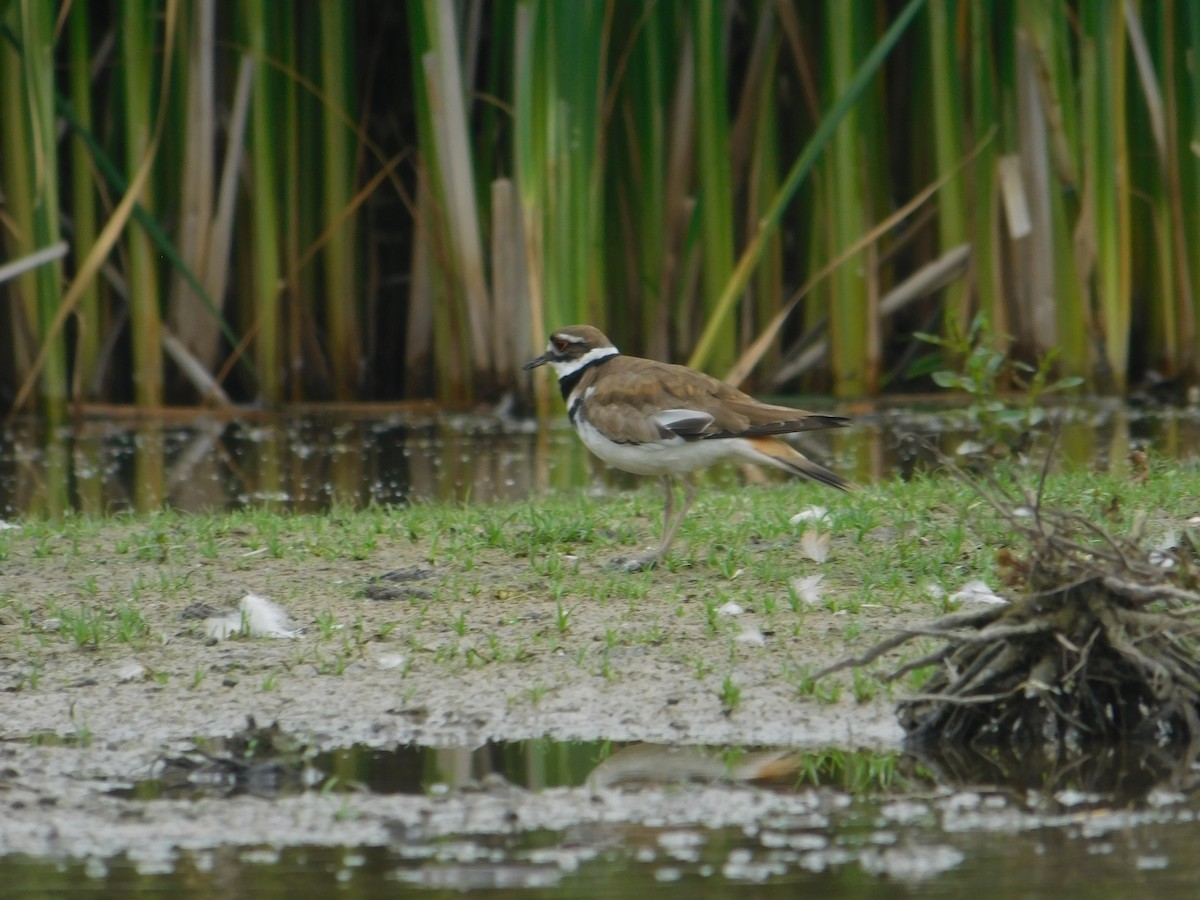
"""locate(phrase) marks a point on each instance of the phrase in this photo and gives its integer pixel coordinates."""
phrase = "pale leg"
(671, 520)
(669, 529)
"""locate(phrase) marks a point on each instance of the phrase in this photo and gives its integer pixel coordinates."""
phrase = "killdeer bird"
(653, 418)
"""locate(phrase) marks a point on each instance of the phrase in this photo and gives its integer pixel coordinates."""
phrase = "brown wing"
(625, 404)
(617, 408)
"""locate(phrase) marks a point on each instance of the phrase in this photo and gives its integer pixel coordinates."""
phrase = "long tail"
(772, 451)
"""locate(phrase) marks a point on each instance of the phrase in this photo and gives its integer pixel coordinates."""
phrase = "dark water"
(413, 769)
(352, 458)
(823, 824)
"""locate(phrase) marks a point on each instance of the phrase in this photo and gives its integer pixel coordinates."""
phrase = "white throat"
(566, 367)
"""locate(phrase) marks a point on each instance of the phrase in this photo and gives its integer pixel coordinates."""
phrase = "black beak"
(540, 361)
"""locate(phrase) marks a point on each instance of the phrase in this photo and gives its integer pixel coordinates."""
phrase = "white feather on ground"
(751, 635)
(815, 545)
(255, 617)
(811, 514)
(808, 589)
(977, 592)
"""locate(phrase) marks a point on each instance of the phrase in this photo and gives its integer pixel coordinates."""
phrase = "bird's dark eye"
(560, 344)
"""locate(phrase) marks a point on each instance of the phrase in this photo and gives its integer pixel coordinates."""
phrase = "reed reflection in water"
(314, 463)
(307, 465)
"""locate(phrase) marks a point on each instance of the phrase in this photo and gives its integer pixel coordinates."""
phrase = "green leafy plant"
(731, 693)
(562, 618)
(327, 624)
(1005, 393)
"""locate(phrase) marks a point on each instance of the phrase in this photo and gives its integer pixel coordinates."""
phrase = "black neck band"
(566, 383)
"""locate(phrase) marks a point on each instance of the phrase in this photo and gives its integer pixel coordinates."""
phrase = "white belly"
(670, 457)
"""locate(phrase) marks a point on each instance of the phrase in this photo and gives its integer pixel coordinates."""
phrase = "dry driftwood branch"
(1100, 642)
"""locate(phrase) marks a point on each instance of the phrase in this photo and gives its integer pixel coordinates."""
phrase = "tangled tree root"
(1101, 644)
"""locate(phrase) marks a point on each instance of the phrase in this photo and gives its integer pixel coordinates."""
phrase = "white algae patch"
(911, 864)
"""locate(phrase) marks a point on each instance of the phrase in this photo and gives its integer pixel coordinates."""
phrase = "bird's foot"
(635, 563)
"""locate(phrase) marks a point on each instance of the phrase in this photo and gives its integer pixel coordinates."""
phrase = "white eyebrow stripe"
(566, 367)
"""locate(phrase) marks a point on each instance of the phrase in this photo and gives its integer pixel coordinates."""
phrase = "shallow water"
(659, 821)
(582, 818)
(353, 458)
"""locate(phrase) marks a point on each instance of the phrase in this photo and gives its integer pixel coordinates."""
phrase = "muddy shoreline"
(475, 628)
(78, 721)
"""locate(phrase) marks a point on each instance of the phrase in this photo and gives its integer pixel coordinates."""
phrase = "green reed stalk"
(712, 152)
(845, 173)
(948, 104)
(513, 345)
(297, 292)
(800, 168)
(114, 227)
(1180, 303)
(1106, 178)
(763, 187)
(338, 177)
(1054, 38)
(30, 173)
(531, 93)
(310, 353)
(639, 164)
(452, 145)
(16, 163)
(986, 222)
(145, 323)
(492, 148)
(677, 283)
(560, 78)
(577, 43)
(437, 313)
(83, 203)
(1151, 227)
(1187, 137)
(268, 153)
(194, 139)
(1053, 32)
(108, 169)
(37, 21)
(630, 174)
(1028, 186)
